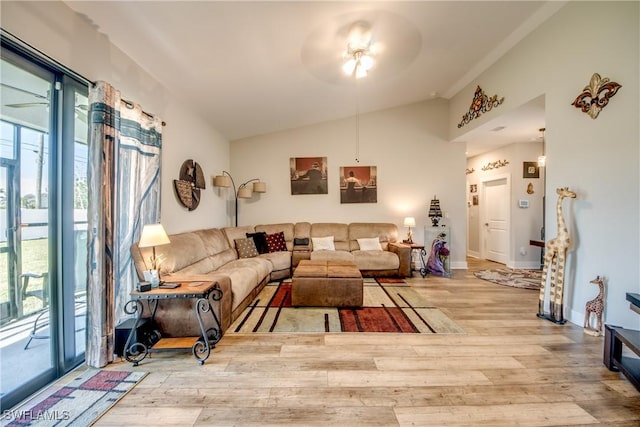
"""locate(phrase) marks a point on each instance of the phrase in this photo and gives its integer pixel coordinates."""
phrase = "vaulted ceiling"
(257, 67)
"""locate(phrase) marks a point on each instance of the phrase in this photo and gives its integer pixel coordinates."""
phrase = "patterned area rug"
(525, 279)
(390, 305)
(78, 403)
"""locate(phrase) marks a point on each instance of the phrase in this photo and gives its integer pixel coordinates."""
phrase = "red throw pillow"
(276, 242)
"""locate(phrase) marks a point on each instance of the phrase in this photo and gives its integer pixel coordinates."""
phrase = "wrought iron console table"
(204, 294)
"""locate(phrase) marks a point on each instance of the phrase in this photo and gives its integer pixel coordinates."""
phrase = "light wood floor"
(510, 368)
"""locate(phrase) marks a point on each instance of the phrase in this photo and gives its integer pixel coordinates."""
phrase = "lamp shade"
(260, 187)
(409, 221)
(244, 193)
(153, 235)
(222, 181)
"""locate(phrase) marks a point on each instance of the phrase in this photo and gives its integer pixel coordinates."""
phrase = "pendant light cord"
(357, 124)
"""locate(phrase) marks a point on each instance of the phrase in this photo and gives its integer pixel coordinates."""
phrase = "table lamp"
(409, 222)
(153, 235)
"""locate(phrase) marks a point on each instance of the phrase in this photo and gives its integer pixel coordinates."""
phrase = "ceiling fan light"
(349, 66)
(360, 72)
(366, 62)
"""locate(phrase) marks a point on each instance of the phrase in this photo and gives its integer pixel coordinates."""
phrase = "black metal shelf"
(615, 338)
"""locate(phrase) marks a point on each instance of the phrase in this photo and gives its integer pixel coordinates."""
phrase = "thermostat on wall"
(523, 203)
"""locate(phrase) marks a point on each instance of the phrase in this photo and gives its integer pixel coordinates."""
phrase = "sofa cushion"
(386, 232)
(276, 242)
(234, 233)
(196, 252)
(243, 280)
(339, 231)
(376, 260)
(246, 248)
(332, 256)
(185, 249)
(279, 260)
(369, 244)
(323, 243)
(260, 240)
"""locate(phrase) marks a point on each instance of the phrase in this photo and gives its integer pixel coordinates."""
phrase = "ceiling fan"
(81, 110)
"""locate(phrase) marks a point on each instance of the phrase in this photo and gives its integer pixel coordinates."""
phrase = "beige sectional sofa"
(212, 254)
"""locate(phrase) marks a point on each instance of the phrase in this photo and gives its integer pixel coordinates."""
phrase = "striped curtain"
(124, 194)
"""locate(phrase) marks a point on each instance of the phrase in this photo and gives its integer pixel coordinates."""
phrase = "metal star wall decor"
(481, 104)
(595, 96)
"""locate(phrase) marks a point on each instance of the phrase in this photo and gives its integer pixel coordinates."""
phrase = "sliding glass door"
(43, 202)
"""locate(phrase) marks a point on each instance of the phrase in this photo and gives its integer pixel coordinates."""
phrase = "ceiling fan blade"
(24, 91)
(27, 104)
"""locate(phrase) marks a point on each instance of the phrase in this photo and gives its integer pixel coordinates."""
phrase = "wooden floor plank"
(521, 414)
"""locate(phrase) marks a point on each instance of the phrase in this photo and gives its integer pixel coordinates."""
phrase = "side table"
(204, 293)
(422, 253)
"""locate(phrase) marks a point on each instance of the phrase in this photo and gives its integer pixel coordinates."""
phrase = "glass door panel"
(26, 347)
(43, 222)
(8, 295)
(34, 220)
(80, 206)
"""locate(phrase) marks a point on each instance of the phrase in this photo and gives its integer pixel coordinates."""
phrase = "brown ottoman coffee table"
(326, 284)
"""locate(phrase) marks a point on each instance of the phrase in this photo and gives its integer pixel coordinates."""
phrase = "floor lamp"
(243, 191)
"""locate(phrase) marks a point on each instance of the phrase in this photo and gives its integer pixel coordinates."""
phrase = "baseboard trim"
(528, 265)
(459, 265)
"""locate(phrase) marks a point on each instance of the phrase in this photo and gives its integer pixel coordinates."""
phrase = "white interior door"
(496, 215)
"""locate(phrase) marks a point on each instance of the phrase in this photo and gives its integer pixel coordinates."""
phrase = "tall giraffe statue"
(555, 256)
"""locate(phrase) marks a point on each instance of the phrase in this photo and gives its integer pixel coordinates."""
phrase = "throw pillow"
(276, 242)
(246, 248)
(372, 244)
(260, 239)
(323, 243)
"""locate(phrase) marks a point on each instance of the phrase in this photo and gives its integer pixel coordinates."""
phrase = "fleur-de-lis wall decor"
(481, 104)
(595, 96)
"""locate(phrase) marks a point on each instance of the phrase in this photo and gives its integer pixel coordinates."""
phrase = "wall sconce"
(409, 222)
(243, 191)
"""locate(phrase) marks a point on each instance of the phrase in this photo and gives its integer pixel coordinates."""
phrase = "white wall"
(408, 145)
(598, 159)
(72, 40)
(525, 223)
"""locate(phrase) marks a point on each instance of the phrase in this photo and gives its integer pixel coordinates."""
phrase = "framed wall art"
(308, 175)
(358, 184)
(530, 170)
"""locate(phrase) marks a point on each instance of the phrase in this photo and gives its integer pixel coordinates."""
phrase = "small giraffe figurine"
(595, 306)
(555, 256)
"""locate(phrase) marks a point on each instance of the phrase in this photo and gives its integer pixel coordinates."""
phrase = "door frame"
(483, 213)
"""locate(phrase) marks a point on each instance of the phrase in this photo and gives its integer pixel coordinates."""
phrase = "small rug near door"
(80, 402)
(524, 279)
(390, 305)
